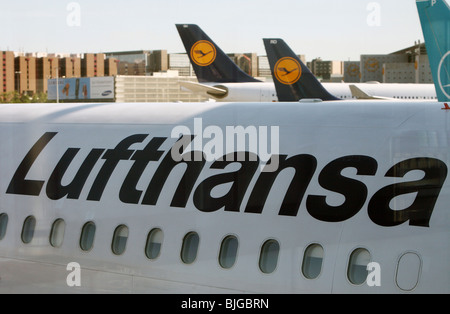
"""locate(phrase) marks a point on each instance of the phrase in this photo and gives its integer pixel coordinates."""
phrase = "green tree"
(16, 97)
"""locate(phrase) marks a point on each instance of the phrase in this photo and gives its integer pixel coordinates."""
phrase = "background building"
(409, 65)
(423, 70)
(327, 70)
(7, 71)
(264, 67)
(352, 71)
(93, 65)
(140, 62)
(70, 67)
(25, 69)
(372, 65)
(29, 72)
(248, 62)
(180, 62)
(46, 68)
(157, 88)
(161, 72)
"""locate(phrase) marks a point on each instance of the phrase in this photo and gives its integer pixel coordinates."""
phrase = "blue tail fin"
(435, 19)
(210, 63)
(293, 80)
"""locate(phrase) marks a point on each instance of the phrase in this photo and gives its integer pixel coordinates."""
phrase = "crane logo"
(353, 70)
(444, 74)
(288, 71)
(203, 53)
(372, 65)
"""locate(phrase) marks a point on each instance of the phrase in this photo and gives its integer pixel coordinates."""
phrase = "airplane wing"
(360, 94)
(201, 88)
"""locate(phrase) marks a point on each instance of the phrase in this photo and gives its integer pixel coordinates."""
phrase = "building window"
(228, 252)
(57, 233)
(357, 268)
(120, 238)
(312, 261)
(268, 258)
(154, 242)
(3, 225)
(29, 226)
(87, 236)
(190, 248)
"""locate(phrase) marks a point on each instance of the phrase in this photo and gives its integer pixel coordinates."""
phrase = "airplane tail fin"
(435, 19)
(210, 63)
(293, 80)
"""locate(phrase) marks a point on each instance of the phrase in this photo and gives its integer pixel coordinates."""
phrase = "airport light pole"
(57, 85)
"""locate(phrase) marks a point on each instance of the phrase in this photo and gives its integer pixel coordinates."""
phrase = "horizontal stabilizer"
(201, 88)
(360, 94)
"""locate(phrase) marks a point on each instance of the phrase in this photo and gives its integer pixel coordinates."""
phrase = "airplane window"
(190, 248)
(228, 252)
(3, 225)
(120, 240)
(409, 268)
(268, 258)
(312, 261)
(28, 229)
(357, 269)
(57, 233)
(154, 242)
(87, 236)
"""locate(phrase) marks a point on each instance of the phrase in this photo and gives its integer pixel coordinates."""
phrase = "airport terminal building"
(409, 65)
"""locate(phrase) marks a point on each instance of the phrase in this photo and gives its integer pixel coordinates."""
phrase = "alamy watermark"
(73, 18)
(374, 17)
(215, 143)
(374, 275)
(73, 279)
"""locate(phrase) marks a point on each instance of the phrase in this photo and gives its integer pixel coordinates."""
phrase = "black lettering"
(240, 180)
(128, 192)
(195, 162)
(112, 157)
(18, 184)
(355, 192)
(427, 189)
(304, 165)
(55, 190)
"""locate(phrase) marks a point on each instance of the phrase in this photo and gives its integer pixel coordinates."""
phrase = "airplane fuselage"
(114, 189)
(265, 91)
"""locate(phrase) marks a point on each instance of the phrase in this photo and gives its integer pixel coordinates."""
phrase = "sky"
(330, 29)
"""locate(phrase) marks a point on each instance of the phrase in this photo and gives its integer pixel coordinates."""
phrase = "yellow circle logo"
(353, 70)
(203, 53)
(372, 65)
(288, 71)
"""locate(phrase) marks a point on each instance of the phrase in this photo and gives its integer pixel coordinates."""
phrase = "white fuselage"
(265, 91)
(356, 183)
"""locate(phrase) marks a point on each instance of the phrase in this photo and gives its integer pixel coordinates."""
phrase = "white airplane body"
(367, 177)
(389, 91)
(266, 92)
